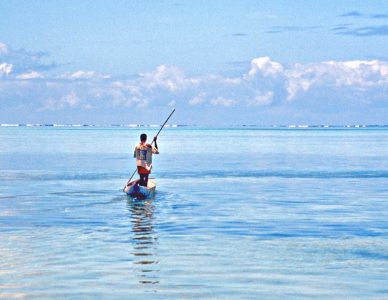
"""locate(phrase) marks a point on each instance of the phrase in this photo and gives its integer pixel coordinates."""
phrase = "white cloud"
(363, 74)
(123, 97)
(358, 75)
(3, 49)
(199, 99)
(5, 69)
(262, 99)
(384, 71)
(70, 100)
(297, 80)
(266, 67)
(83, 75)
(233, 81)
(171, 78)
(220, 101)
(31, 75)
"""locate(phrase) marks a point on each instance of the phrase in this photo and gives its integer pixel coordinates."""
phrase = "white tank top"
(143, 154)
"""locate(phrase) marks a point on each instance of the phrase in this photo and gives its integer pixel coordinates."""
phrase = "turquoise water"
(238, 214)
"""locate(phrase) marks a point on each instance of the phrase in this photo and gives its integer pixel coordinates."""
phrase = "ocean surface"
(239, 213)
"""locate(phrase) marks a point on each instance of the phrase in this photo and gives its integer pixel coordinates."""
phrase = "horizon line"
(194, 125)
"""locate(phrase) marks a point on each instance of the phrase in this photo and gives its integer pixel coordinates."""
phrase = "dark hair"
(143, 137)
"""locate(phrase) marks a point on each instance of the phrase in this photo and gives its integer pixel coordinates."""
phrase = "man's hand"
(156, 145)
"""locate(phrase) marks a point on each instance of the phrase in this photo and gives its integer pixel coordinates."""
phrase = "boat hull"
(137, 191)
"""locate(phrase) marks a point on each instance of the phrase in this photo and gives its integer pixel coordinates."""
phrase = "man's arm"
(156, 146)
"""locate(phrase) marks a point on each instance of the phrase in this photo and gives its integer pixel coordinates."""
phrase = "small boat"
(137, 191)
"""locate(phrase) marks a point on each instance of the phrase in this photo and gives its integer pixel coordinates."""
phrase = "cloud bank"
(269, 92)
(365, 31)
(369, 30)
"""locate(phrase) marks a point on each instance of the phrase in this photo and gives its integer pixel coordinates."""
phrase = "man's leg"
(143, 180)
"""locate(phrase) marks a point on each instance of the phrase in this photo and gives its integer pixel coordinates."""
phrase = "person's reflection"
(145, 240)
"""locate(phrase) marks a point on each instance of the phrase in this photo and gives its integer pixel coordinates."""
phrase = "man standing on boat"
(143, 154)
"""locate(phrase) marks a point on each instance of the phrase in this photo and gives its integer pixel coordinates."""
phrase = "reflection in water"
(145, 240)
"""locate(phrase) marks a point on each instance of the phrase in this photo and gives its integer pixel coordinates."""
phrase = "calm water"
(238, 214)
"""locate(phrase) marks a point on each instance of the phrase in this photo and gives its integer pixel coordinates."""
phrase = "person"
(143, 154)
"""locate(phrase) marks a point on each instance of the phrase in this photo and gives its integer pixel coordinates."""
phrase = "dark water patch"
(25, 222)
(19, 196)
(88, 205)
(280, 174)
(86, 176)
(271, 232)
(366, 254)
(356, 230)
(7, 197)
(180, 228)
(74, 222)
(179, 206)
(33, 176)
(81, 193)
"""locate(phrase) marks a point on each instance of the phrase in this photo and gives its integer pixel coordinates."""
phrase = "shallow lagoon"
(239, 213)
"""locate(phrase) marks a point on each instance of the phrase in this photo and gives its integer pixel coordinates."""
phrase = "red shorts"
(142, 170)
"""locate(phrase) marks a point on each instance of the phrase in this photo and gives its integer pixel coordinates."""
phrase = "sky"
(218, 62)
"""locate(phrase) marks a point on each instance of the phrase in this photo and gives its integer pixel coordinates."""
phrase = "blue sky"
(217, 62)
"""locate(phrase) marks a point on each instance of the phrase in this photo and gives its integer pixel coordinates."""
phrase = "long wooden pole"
(133, 174)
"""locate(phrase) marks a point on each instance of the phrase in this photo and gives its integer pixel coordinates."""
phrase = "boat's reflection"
(145, 241)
